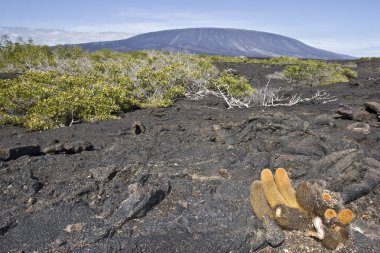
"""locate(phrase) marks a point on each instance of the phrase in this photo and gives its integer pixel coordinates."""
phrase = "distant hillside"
(218, 41)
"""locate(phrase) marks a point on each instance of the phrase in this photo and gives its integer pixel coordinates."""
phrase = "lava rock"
(5, 225)
(207, 209)
(372, 106)
(348, 112)
(103, 174)
(16, 152)
(141, 199)
(360, 115)
(359, 127)
(323, 120)
(69, 148)
(274, 235)
(371, 170)
(258, 241)
(363, 116)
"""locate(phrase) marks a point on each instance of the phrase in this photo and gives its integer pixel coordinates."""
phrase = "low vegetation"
(64, 85)
(369, 58)
(301, 71)
(314, 73)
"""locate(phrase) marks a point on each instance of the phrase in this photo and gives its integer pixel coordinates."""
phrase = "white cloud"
(58, 36)
(142, 20)
(144, 27)
(357, 47)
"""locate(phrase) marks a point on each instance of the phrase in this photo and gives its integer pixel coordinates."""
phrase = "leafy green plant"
(20, 56)
(369, 58)
(42, 100)
(235, 86)
(282, 60)
(64, 85)
(306, 72)
(349, 73)
(314, 73)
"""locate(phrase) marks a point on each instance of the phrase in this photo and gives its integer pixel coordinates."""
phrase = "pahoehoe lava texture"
(182, 184)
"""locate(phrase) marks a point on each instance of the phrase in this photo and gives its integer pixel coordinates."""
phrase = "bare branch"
(270, 97)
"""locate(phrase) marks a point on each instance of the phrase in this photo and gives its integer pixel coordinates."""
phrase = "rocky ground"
(177, 179)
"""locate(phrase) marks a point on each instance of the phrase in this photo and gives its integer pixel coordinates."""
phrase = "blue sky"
(343, 26)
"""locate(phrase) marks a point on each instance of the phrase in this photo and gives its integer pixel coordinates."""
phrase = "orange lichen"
(326, 196)
(330, 214)
(345, 216)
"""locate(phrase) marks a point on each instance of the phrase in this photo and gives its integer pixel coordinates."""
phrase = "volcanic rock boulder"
(16, 152)
(141, 199)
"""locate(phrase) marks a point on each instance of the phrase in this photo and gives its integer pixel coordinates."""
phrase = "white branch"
(269, 97)
(225, 99)
(265, 92)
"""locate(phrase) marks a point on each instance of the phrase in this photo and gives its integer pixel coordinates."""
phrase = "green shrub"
(68, 52)
(63, 85)
(157, 87)
(314, 73)
(20, 56)
(235, 86)
(349, 73)
(282, 60)
(309, 72)
(42, 100)
(369, 58)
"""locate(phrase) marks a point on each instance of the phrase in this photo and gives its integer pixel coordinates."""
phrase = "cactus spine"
(258, 202)
(271, 191)
(283, 184)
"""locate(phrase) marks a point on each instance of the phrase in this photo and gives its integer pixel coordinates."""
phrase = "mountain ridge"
(217, 41)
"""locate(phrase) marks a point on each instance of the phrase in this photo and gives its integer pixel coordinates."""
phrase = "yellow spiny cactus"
(258, 201)
(283, 184)
(345, 216)
(310, 202)
(305, 196)
(310, 198)
(271, 191)
(291, 218)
